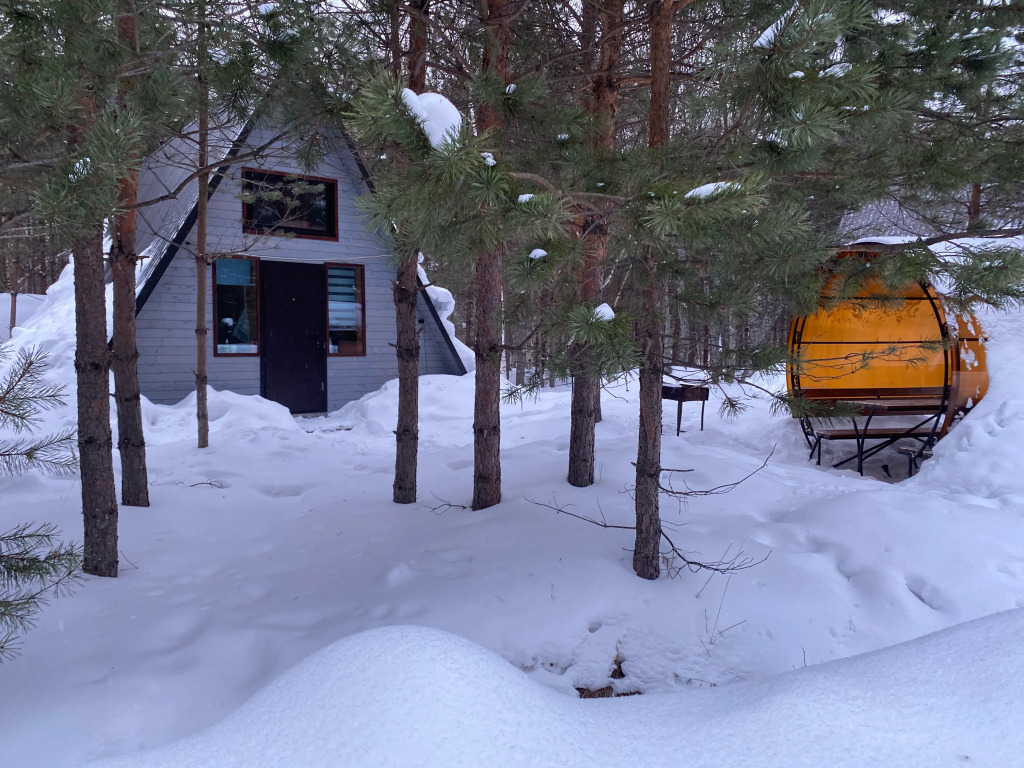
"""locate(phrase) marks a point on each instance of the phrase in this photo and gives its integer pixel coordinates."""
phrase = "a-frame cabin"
(299, 299)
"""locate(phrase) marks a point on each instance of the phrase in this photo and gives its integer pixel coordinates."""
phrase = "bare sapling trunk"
(14, 297)
(487, 285)
(131, 442)
(95, 442)
(202, 260)
(407, 348)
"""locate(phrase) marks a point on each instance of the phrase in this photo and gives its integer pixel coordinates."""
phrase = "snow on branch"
(438, 117)
(767, 38)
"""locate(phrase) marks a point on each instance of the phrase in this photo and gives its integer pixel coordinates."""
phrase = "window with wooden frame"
(236, 310)
(288, 204)
(346, 311)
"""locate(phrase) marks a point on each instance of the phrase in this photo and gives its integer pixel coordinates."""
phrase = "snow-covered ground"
(275, 608)
(27, 304)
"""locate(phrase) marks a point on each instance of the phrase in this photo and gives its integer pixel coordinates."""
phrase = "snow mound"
(445, 407)
(228, 411)
(409, 696)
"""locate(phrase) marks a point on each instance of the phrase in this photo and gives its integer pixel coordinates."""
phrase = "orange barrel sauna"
(871, 347)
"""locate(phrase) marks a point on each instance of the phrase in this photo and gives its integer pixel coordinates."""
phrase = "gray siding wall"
(166, 324)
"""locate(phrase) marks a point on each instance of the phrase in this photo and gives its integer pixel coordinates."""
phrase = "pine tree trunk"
(661, 71)
(95, 443)
(650, 332)
(202, 260)
(648, 458)
(586, 389)
(395, 39)
(487, 397)
(131, 442)
(419, 29)
(585, 392)
(407, 348)
(407, 342)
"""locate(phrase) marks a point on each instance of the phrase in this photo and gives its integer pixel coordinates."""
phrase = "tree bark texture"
(131, 442)
(487, 283)
(95, 443)
(407, 348)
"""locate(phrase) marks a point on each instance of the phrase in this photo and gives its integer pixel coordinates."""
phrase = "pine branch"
(34, 567)
(50, 454)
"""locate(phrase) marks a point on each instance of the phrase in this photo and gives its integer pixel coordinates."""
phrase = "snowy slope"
(406, 696)
(281, 539)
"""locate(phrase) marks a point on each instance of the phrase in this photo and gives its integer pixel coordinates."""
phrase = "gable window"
(288, 204)
(236, 307)
(346, 312)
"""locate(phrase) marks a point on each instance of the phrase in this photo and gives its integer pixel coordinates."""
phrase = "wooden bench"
(686, 393)
(887, 437)
(928, 402)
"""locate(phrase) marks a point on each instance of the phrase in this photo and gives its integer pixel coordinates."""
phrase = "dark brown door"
(293, 322)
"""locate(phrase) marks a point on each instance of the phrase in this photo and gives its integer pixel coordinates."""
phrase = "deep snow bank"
(407, 696)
